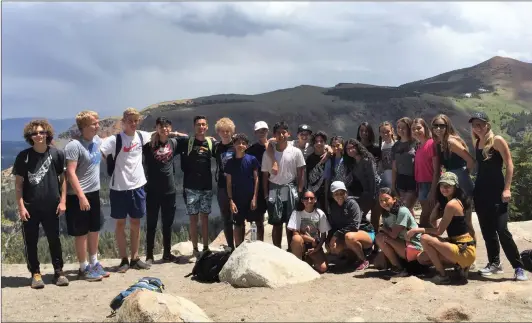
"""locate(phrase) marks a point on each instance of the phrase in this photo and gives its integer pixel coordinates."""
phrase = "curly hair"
(225, 123)
(319, 133)
(29, 128)
(361, 150)
(371, 133)
(240, 137)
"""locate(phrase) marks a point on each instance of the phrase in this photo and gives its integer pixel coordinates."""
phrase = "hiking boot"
(441, 280)
(491, 269)
(36, 281)
(138, 264)
(100, 271)
(89, 274)
(60, 279)
(362, 266)
(520, 274)
(169, 258)
(124, 266)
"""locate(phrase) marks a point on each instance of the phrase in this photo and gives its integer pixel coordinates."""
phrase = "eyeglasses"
(42, 133)
(439, 126)
(308, 198)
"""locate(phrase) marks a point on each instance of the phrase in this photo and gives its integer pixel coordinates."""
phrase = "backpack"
(209, 265)
(110, 160)
(526, 257)
(148, 283)
(191, 145)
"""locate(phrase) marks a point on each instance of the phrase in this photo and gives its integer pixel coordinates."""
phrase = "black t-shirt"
(315, 173)
(40, 172)
(375, 151)
(222, 154)
(257, 150)
(197, 165)
(160, 165)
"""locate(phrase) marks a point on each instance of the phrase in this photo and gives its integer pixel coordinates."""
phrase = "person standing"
(40, 189)
(403, 154)
(83, 212)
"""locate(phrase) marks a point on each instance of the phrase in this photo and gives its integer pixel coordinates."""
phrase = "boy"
(242, 186)
(280, 189)
(41, 197)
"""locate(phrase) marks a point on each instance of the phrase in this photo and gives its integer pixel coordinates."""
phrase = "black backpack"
(209, 265)
(110, 160)
(526, 257)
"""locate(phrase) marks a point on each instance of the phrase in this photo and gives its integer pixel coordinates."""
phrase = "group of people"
(322, 188)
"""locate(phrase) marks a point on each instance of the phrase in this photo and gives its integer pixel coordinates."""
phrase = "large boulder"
(259, 264)
(148, 306)
(184, 248)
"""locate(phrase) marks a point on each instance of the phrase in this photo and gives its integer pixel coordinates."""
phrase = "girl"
(426, 169)
(403, 152)
(366, 136)
(316, 168)
(310, 227)
(350, 230)
(460, 249)
(335, 169)
(397, 220)
(386, 142)
(492, 194)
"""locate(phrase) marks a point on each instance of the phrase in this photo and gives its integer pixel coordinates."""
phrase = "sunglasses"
(439, 126)
(308, 198)
(42, 133)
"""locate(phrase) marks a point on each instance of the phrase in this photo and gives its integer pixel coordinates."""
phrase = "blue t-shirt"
(241, 171)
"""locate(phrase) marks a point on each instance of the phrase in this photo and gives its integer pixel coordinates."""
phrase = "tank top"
(457, 226)
(490, 179)
(450, 161)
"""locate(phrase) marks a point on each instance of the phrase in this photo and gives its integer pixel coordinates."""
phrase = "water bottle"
(253, 231)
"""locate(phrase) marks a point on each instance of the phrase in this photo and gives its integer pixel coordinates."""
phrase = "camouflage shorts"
(198, 201)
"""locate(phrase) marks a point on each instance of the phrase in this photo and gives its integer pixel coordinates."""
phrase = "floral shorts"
(198, 201)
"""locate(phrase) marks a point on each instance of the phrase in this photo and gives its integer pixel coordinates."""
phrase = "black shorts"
(406, 183)
(245, 213)
(278, 219)
(80, 223)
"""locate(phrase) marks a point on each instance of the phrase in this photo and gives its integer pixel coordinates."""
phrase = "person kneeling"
(310, 227)
(460, 249)
(397, 220)
(350, 230)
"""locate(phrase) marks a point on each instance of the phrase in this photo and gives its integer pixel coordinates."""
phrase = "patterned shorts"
(198, 201)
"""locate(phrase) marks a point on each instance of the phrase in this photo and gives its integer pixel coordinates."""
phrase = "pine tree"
(522, 181)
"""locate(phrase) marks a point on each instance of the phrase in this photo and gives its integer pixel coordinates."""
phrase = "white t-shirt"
(289, 160)
(312, 223)
(129, 172)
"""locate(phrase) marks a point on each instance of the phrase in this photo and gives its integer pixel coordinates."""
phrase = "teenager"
(223, 152)
(396, 222)
(316, 169)
(460, 247)
(403, 153)
(386, 142)
(310, 227)
(350, 230)
(492, 194)
(40, 189)
(281, 190)
(257, 150)
(426, 169)
(242, 177)
(159, 156)
(83, 213)
(335, 169)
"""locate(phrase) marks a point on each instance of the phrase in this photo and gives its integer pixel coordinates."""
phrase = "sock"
(83, 265)
(94, 259)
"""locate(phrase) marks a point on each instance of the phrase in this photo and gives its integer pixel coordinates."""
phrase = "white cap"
(338, 185)
(261, 125)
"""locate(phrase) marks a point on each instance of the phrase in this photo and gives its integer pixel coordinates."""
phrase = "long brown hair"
(428, 133)
(408, 122)
(450, 131)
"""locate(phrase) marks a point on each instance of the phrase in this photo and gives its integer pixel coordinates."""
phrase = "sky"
(61, 58)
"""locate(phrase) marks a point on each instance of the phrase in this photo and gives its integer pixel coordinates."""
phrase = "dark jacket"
(347, 218)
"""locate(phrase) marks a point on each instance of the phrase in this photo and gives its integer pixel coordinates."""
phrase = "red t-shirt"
(423, 162)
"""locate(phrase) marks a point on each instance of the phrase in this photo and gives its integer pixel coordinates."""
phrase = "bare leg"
(205, 229)
(438, 252)
(298, 246)
(357, 242)
(424, 219)
(277, 235)
(81, 248)
(194, 230)
(289, 234)
(319, 261)
(260, 229)
(376, 212)
(120, 234)
(134, 234)
(391, 248)
(93, 238)
(409, 198)
(238, 233)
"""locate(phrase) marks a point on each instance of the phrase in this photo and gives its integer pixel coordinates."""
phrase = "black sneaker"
(124, 266)
(138, 264)
(169, 258)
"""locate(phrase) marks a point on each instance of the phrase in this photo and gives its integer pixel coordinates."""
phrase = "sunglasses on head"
(42, 133)
(439, 126)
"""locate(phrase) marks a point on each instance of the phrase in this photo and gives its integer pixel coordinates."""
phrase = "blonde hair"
(489, 140)
(225, 123)
(130, 112)
(84, 118)
(449, 132)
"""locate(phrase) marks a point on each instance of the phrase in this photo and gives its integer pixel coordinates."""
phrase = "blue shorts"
(198, 201)
(372, 236)
(130, 202)
(423, 191)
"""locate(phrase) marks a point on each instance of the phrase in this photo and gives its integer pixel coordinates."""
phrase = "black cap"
(304, 127)
(163, 121)
(480, 116)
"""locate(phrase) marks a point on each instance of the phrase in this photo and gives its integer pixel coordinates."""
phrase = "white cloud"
(62, 57)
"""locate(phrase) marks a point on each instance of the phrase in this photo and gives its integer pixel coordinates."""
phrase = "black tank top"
(457, 226)
(490, 179)
(450, 161)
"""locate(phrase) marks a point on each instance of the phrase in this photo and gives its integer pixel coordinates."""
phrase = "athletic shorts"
(198, 201)
(80, 223)
(405, 183)
(411, 252)
(278, 219)
(423, 191)
(130, 202)
(463, 255)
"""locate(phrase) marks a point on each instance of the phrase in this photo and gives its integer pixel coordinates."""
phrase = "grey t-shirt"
(88, 156)
(403, 153)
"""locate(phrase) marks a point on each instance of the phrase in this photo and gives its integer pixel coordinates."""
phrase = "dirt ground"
(336, 296)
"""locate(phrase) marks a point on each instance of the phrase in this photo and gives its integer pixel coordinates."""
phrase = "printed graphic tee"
(88, 157)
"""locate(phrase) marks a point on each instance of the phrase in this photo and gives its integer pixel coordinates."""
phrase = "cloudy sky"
(59, 58)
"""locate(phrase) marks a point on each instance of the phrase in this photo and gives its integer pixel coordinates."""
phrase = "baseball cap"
(449, 178)
(337, 185)
(480, 116)
(304, 127)
(261, 125)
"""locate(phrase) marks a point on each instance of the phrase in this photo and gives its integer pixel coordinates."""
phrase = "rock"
(259, 264)
(451, 312)
(355, 319)
(148, 306)
(184, 248)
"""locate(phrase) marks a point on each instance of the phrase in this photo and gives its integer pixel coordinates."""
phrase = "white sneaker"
(491, 269)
